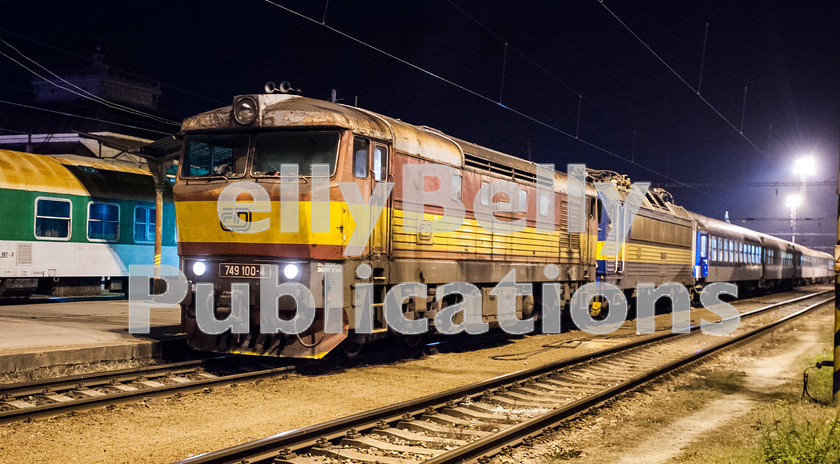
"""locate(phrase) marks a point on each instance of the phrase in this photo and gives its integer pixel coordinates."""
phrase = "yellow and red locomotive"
(250, 140)
(305, 231)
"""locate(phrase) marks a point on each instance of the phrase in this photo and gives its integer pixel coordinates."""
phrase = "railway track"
(476, 421)
(49, 397)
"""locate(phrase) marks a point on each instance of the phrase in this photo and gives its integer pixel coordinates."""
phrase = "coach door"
(701, 263)
(370, 167)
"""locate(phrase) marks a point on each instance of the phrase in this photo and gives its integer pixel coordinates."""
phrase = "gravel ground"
(167, 429)
(659, 422)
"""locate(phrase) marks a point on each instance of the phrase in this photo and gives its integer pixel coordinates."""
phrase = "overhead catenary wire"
(482, 96)
(703, 59)
(682, 79)
(504, 66)
(79, 106)
(4, 129)
(538, 65)
(83, 93)
(743, 110)
(88, 59)
(71, 115)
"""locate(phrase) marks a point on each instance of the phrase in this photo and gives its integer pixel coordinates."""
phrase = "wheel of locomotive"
(694, 295)
(529, 307)
(409, 341)
(350, 348)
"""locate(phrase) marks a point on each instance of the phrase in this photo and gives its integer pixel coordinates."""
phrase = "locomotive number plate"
(249, 271)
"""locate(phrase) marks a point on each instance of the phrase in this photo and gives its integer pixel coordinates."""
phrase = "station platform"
(43, 334)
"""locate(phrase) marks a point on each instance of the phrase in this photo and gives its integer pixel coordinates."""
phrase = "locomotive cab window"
(103, 222)
(274, 149)
(360, 157)
(52, 218)
(380, 163)
(215, 155)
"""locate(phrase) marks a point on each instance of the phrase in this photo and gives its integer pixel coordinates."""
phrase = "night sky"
(786, 53)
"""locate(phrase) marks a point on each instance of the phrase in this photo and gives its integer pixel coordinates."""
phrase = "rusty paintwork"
(470, 254)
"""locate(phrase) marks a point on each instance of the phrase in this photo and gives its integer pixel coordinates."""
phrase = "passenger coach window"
(52, 218)
(144, 224)
(274, 149)
(213, 155)
(103, 221)
(360, 157)
(380, 163)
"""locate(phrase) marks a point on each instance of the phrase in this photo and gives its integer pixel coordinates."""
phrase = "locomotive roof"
(294, 111)
(283, 110)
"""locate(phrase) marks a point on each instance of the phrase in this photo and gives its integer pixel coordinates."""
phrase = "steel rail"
(102, 379)
(266, 449)
(515, 435)
(12, 391)
(36, 386)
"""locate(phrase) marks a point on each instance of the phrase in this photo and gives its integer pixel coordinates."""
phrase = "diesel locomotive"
(249, 141)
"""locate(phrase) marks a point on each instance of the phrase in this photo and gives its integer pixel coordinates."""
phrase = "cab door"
(379, 164)
(370, 167)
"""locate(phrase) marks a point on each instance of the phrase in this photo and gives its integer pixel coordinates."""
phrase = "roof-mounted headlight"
(245, 110)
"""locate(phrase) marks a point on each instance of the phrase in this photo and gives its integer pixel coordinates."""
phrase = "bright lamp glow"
(290, 271)
(199, 268)
(805, 166)
(793, 201)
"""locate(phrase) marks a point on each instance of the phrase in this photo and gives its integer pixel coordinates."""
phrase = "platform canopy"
(165, 149)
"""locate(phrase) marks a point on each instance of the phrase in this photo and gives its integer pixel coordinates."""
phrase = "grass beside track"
(785, 429)
(779, 427)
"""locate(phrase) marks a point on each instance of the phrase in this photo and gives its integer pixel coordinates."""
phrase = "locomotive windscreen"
(273, 149)
(209, 155)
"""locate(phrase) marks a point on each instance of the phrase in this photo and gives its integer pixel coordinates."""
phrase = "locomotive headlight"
(291, 271)
(199, 268)
(245, 111)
